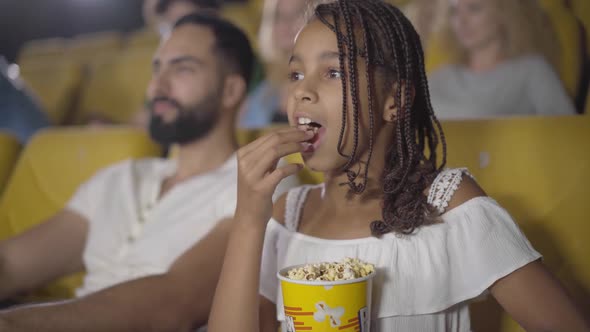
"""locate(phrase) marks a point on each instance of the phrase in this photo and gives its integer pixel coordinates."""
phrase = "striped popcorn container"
(343, 305)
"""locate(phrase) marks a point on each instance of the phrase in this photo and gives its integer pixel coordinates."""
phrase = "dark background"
(23, 20)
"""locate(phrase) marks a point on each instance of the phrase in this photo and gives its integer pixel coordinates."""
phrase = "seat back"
(9, 150)
(55, 83)
(537, 168)
(116, 87)
(569, 34)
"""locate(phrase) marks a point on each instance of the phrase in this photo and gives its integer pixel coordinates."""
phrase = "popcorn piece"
(347, 269)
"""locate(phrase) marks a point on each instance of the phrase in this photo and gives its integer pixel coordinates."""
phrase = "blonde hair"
(525, 27)
(275, 61)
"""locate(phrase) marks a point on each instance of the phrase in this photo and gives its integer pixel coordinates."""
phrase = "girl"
(360, 113)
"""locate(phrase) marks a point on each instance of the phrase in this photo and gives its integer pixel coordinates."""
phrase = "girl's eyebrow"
(326, 55)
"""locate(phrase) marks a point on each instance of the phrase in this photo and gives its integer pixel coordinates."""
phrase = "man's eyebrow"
(186, 58)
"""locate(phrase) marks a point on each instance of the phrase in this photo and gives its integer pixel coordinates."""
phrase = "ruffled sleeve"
(452, 262)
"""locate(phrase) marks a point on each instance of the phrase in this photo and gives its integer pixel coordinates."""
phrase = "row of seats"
(76, 79)
(105, 74)
(534, 167)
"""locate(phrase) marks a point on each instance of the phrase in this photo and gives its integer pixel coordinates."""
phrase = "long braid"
(341, 52)
(392, 47)
(352, 70)
(369, 75)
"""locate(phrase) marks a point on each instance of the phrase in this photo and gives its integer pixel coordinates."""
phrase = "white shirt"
(424, 281)
(133, 233)
(522, 86)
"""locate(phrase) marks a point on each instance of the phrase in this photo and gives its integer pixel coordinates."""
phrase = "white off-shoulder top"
(424, 281)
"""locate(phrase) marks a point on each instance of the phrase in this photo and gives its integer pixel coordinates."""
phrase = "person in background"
(20, 114)
(167, 12)
(149, 233)
(281, 21)
(160, 15)
(423, 15)
(506, 52)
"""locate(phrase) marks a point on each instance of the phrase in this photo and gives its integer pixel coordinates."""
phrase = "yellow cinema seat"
(581, 9)
(537, 168)
(569, 34)
(88, 48)
(51, 50)
(9, 149)
(52, 166)
(438, 55)
(56, 84)
(143, 38)
(115, 90)
(247, 16)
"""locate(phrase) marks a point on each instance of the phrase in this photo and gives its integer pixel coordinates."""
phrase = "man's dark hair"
(163, 5)
(231, 43)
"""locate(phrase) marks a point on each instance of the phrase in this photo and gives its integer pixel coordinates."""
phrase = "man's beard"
(192, 123)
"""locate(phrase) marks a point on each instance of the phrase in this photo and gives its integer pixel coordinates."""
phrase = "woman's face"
(475, 23)
(288, 20)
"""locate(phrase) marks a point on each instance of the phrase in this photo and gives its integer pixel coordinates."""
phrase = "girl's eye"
(295, 76)
(334, 74)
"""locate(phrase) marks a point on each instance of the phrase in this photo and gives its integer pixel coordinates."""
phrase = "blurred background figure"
(425, 16)
(506, 54)
(20, 114)
(162, 14)
(281, 21)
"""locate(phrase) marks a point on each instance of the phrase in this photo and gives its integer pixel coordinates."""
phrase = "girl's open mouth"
(319, 131)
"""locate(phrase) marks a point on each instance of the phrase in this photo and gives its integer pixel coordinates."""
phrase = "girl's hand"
(258, 175)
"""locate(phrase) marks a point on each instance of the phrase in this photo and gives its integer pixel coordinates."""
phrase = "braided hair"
(385, 39)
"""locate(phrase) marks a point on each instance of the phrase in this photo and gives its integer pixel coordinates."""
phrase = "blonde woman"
(506, 58)
(281, 20)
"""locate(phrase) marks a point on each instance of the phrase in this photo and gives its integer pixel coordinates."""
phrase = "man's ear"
(234, 91)
(392, 106)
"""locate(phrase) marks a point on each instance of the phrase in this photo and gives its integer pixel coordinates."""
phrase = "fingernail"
(309, 133)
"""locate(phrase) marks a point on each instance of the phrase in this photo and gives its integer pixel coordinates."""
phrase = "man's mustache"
(171, 101)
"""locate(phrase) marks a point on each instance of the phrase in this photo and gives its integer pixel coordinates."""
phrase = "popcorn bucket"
(343, 305)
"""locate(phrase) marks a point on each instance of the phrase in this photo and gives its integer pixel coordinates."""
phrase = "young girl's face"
(315, 95)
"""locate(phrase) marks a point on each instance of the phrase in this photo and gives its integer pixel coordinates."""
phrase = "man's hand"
(174, 301)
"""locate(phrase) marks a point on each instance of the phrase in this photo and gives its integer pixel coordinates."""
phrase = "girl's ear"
(392, 106)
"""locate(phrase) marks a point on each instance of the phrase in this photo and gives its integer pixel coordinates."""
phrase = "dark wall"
(22, 20)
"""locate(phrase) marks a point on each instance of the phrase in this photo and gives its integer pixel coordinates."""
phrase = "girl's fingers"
(266, 163)
(272, 180)
(281, 136)
(278, 138)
